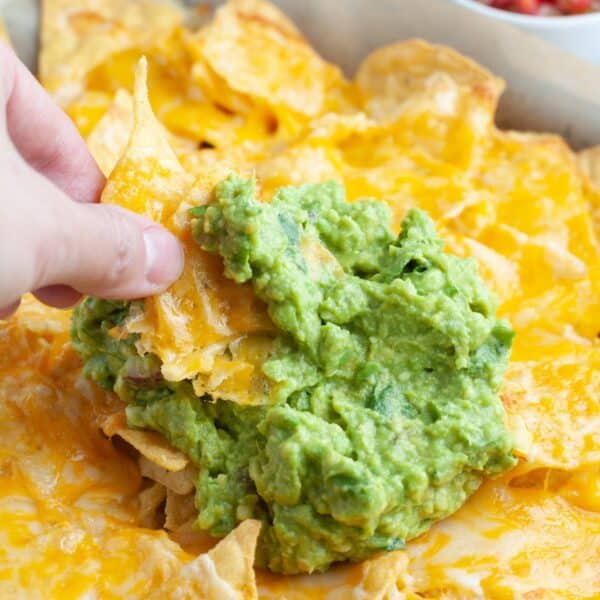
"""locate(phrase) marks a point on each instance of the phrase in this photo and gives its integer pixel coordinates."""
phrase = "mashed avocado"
(383, 414)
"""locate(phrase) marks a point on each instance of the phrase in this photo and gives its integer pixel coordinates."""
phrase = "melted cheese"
(509, 541)
(68, 498)
(78, 36)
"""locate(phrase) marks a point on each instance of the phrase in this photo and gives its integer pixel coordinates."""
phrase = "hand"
(55, 240)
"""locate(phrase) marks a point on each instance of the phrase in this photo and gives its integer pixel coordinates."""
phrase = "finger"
(44, 135)
(115, 254)
(106, 251)
(9, 310)
(96, 249)
(58, 296)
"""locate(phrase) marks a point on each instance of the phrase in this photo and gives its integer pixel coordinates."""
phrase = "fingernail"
(7, 311)
(164, 256)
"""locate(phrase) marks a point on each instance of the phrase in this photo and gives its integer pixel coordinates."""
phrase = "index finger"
(43, 134)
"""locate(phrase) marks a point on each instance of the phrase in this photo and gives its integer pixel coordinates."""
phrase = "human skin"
(55, 239)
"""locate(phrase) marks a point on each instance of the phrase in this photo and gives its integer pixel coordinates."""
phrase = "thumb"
(47, 240)
(104, 250)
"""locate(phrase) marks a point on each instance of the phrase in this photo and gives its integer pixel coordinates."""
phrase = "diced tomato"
(532, 7)
(574, 7)
(527, 7)
(505, 4)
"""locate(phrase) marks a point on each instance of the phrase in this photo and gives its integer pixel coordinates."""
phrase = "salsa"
(546, 7)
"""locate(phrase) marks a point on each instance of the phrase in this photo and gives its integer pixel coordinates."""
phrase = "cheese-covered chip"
(202, 327)
(87, 109)
(149, 178)
(149, 444)
(71, 506)
(109, 138)
(38, 337)
(259, 53)
(530, 205)
(79, 35)
(509, 542)
(315, 155)
(383, 577)
(392, 74)
(225, 572)
(558, 403)
(180, 481)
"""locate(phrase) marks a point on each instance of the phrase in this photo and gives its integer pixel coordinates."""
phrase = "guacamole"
(382, 414)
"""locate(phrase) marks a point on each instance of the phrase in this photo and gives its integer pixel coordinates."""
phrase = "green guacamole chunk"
(383, 414)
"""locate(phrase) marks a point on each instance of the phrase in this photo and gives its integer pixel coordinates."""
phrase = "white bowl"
(579, 34)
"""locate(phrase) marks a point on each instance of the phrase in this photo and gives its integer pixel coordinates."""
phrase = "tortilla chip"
(191, 539)
(383, 577)
(380, 578)
(202, 328)
(314, 155)
(87, 110)
(151, 499)
(212, 84)
(181, 482)
(149, 178)
(225, 572)
(179, 509)
(390, 75)
(149, 444)
(434, 107)
(199, 327)
(37, 336)
(78, 35)
(154, 447)
(558, 403)
(259, 53)
(109, 138)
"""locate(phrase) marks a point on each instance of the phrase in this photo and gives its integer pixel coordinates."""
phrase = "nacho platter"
(415, 126)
